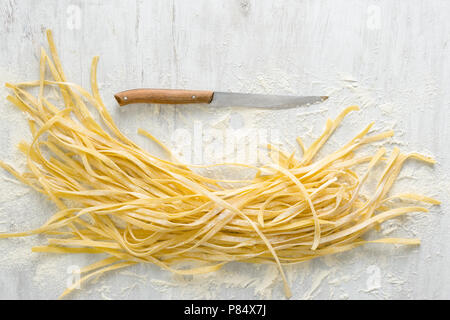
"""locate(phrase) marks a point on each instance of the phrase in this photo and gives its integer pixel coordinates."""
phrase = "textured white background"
(390, 57)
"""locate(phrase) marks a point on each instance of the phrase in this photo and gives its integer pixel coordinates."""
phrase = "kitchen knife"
(213, 98)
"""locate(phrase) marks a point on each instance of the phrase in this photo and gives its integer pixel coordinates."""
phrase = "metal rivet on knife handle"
(164, 96)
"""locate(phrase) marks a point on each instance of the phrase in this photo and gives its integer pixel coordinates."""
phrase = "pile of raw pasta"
(116, 198)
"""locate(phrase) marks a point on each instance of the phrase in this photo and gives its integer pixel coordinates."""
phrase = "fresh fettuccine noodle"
(115, 198)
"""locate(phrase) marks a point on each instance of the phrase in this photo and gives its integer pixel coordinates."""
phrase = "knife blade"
(213, 98)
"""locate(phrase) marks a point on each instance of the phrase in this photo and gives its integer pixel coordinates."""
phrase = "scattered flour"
(252, 281)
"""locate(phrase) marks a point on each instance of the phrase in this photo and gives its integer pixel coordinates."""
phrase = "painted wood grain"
(397, 51)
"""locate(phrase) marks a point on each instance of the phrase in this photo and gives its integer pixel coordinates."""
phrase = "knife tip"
(324, 98)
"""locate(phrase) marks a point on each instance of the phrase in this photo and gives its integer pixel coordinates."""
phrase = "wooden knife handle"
(166, 96)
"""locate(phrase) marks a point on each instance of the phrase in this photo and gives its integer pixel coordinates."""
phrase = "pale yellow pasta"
(115, 198)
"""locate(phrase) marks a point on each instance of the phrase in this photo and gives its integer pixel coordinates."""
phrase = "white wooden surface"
(390, 57)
